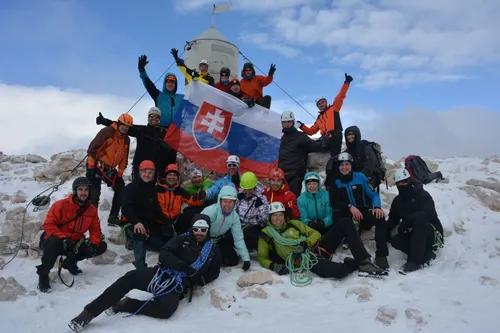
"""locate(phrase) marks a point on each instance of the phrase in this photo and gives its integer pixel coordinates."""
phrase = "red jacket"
(65, 210)
(221, 86)
(286, 197)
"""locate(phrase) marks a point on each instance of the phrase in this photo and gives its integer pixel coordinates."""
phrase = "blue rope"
(174, 282)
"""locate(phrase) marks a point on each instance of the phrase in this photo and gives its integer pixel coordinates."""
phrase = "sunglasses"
(202, 230)
(224, 75)
(232, 165)
(248, 70)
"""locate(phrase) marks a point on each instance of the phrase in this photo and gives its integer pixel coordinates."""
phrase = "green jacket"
(192, 189)
(291, 229)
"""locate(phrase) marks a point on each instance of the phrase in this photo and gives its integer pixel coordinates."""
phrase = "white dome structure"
(214, 47)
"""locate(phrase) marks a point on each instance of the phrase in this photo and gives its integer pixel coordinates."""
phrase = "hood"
(227, 191)
(356, 131)
(247, 77)
(417, 185)
(316, 175)
(164, 89)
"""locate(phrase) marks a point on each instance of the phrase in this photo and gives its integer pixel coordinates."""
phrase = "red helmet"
(147, 165)
(172, 168)
(277, 173)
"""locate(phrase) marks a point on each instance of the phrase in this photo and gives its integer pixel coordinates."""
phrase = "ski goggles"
(202, 230)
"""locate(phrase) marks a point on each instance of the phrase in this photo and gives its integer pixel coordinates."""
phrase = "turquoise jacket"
(315, 206)
(220, 224)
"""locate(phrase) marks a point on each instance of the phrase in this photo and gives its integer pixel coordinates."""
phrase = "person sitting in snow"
(274, 246)
(166, 99)
(328, 122)
(235, 90)
(188, 260)
(232, 178)
(252, 84)
(278, 191)
(64, 227)
(171, 198)
(252, 208)
(108, 150)
(223, 83)
(314, 204)
(201, 75)
(150, 143)
(352, 196)
(226, 228)
(419, 230)
(294, 148)
(146, 227)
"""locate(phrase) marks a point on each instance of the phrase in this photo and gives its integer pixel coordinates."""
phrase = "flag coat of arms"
(209, 125)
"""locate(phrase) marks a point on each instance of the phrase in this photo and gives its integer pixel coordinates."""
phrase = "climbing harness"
(298, 265)
(159, 286)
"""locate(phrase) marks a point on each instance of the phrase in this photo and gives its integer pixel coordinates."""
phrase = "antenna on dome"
(219, 9)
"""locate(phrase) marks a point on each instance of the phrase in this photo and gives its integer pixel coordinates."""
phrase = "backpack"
(380, 169)
(418, 169)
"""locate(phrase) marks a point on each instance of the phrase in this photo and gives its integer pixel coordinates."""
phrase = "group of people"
(208, 224)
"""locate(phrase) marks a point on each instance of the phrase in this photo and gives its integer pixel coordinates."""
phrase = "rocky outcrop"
(10, 289)
(386, 315)
(252, 278)
(60, 165)
(11, 228)
(221, 300)
(486, 192)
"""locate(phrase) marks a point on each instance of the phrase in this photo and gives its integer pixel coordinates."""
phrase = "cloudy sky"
(425, 72)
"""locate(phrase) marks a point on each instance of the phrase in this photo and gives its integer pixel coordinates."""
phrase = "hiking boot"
(43, 284)
(367, 268)
(351, 264)
(71, 266)
(114, 221)
(381, 262)
(79, 322)
(409, 267)
(429, 257)
(117, 307)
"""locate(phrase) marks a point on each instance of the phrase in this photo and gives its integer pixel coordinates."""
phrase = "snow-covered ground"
(458, 293)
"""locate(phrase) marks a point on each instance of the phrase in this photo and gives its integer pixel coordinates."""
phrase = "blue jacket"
(166, 101)
(220, 224)
(356, 191)
(315, 206)
(217, 186)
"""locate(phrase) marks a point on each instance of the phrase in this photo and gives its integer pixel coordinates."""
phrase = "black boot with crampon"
(78, 323)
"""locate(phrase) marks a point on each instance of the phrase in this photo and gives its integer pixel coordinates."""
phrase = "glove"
(175, 54)
(279, 269)
(195, 75)
(99, 120)
(249, 102)
(300, 123)
(91, 251)
(90, 174)
(68, 245)
(246, 265)
(272, 69)
(301, 248)
(143, 61)
(202, 195)
(348, 78)
(317, 225)
(288, 212)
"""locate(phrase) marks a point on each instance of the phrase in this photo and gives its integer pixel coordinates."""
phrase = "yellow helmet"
(248, 181)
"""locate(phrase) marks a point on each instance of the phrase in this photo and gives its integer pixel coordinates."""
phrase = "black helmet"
(225, 70)
(81, 181)
(40, 201)
(248, 65)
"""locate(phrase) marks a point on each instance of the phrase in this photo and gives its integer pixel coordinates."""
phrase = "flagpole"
(213, 14)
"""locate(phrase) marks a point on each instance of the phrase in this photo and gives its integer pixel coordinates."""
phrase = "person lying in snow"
(419, 230)
(201, 75)
(64, 227)
(274, 248)
(188, 260)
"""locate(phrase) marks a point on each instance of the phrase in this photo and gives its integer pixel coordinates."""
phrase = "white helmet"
(276, 207)
(196, 173)
(233, 159)
(319, 98)
(401, 174)
(203, 62)
(344, 157)
(287, 116)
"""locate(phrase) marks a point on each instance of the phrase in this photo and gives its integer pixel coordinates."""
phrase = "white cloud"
(260, 6)
(47, 120)
(268, 43)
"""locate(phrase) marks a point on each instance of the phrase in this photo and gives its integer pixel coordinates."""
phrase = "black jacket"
(150, 144)
(364, 157)
(140, 204)
(181, 251)
(294, 148)
(420, 205)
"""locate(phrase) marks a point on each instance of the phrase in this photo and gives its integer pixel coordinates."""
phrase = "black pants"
(415, 237)
(53, 247)
(251, 235)
(162, 307)
(95, 193)
(367, 223)
(141, 245)
(294, 180)
(229, 255)
(264, 101)
(332, 143)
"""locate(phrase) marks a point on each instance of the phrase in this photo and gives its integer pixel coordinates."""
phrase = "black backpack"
(380, 169)
(419, 170)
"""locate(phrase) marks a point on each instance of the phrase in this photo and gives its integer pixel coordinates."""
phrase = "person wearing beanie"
(252, 85)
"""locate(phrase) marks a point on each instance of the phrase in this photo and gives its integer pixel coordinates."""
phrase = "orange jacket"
(109, 147)
(329, 119)
(65, 210)
(172, 198)
(253, 88)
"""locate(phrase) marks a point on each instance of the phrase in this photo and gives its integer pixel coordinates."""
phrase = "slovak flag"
(210, 125)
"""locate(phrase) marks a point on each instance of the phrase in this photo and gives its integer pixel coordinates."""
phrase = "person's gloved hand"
(99, 120)
(280, 269)
(288, 212)
(250, 102)
(348, 78)
(317, 225)
(272, 69)
(246, 265)
(90, 174)
(143, 61)
(300, 123)
(175, 54)
(91, 251)
(68, 245)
